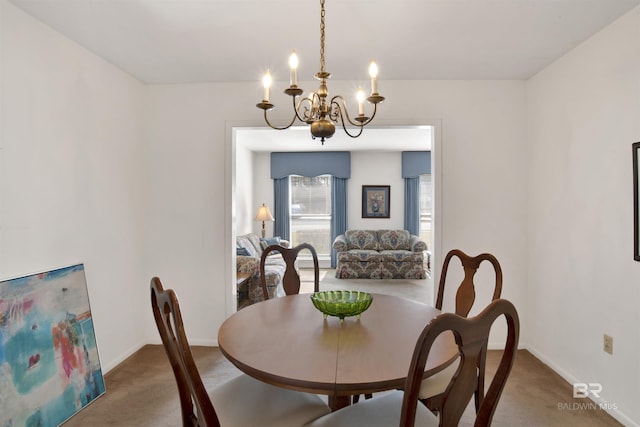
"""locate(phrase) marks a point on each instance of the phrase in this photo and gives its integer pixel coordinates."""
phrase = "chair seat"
(381, 411)
(438, 382)
(247, 402)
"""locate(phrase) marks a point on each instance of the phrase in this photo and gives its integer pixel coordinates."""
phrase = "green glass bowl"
(341, 303)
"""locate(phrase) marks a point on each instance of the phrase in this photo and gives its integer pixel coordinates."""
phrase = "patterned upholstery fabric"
(361, 239)
(393, 239)
(381, 254)
(359, 256)
(416, 244)
(274, 268)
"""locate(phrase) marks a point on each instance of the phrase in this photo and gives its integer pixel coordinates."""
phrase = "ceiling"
(197, 41)
(191, 41)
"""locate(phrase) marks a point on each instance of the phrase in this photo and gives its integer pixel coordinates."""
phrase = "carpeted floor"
(141, 391)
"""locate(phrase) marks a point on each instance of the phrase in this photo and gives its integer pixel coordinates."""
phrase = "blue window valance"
(334, 163)
(415, 163)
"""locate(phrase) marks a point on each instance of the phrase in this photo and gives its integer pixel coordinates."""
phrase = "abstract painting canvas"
(49, 365)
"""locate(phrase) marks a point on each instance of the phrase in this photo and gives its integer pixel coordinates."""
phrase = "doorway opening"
(372, 162)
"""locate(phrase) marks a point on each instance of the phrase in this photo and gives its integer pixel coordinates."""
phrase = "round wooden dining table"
(287, 342)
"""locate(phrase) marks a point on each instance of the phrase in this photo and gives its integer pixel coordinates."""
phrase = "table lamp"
(264, 214)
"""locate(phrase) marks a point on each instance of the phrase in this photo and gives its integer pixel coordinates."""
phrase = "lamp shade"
(264, 214)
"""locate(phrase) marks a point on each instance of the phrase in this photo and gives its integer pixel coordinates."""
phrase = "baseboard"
(121, 358)
(571, 379)
(204, 343)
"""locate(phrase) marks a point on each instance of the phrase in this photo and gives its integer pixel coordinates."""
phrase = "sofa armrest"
(340, 243)
(417, 244)
(285, 243)
(247, 264)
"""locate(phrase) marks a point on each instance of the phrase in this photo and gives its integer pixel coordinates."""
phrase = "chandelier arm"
(375, 108)
(277, 127)
(343, 108)
(346, 130)
(304, 117)
(341, 112)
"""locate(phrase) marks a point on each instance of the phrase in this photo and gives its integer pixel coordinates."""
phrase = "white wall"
(263, 191)
(584, 114)
(71, 174)
(245, 206)
(370, 168)
(189, 126)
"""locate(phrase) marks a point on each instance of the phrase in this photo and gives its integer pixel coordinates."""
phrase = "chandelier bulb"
(293, 64)
(373, 70)
(266, 82)
(373, 73)
(360, 98)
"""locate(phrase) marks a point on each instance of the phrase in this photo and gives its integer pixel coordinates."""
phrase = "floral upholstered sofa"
(380, 254)
(249, 249)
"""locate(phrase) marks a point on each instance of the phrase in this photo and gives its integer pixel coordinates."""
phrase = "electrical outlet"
(608, 344)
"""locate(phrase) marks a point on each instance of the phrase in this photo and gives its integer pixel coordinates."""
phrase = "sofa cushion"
(359, 256)
(266, 242)
(255, 242)
(393, 240)
(361, 239)
(275, 258)
(244, 242)
(402, 256)
(242, 252)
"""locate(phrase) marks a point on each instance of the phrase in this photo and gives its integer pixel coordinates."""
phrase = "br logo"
(582, 390)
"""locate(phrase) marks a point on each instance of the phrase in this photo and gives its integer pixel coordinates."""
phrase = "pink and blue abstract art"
(49, 364)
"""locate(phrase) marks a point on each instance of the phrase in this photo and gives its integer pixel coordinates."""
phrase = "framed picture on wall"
(375, 201)
(636, 206)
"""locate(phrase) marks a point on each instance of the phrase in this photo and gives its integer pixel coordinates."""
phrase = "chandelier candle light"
(315, 110)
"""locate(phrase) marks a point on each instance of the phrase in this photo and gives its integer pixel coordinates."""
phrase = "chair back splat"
(465, 299)
(291, 278)
(471, 335)
(195, 404)
(466, 295)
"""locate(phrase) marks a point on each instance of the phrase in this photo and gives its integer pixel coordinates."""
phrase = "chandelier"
(316, 110)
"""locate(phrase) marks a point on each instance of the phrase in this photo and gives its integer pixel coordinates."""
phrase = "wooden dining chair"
(240, 402)
(291, 278)
(433, 387)
(401, 408)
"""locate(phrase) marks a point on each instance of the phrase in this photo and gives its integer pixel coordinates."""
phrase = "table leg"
(337, 402)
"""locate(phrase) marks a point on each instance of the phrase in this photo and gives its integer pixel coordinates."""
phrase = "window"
(310, 212)
(426, 201)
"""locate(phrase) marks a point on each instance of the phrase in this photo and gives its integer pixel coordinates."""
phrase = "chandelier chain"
(322, 13)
